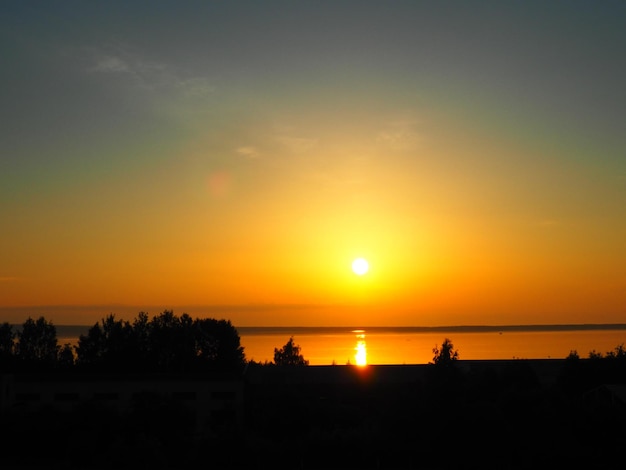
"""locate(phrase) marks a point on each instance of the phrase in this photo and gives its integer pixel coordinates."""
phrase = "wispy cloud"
(297, 144)
(399, 135)
(148, 74)
(9, 279)
(141, 72)
(248, 152)
(288, 145)
(195, 87)
(109, 64)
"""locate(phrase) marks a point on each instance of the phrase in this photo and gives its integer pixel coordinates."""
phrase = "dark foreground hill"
(515, 414)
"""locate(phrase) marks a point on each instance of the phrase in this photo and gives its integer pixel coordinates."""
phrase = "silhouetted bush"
(289, 355)
(578, 375)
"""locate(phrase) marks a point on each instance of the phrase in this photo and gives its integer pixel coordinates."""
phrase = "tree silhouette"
(66, 357)
(444, 378)
(289, 355)
(218, 344)
(37, 343)
(7, 339)
(106, 345)
(171, 342)
(140, 346)
(165, 343)
(7, 346)
(446, 355)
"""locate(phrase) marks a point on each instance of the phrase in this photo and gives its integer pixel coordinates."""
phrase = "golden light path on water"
(360, 357)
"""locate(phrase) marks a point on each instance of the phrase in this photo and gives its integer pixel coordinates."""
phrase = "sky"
(231, 160)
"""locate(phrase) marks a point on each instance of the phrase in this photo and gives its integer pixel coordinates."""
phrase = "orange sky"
(476, 161)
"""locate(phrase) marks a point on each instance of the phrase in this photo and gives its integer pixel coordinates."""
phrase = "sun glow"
(360, 266)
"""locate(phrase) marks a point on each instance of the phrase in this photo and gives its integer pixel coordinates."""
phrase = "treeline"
(164, 343)
(599, 368)
(576, 374)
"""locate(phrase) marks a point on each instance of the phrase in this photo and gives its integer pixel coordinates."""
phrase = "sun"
(360, 266)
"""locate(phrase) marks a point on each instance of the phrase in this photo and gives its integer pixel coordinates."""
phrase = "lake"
(414, 345)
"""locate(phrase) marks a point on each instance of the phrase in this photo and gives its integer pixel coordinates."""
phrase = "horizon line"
(489, 327)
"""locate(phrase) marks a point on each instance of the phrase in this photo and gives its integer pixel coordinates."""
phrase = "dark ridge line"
(402, 329)
(454, 328)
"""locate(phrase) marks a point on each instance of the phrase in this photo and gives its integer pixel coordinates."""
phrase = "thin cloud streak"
(151, 75)
(249, 152)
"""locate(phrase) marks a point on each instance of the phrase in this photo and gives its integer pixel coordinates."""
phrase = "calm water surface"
(407, 345)
(410, 347)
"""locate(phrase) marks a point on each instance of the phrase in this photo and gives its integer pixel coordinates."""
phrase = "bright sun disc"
(360, 266)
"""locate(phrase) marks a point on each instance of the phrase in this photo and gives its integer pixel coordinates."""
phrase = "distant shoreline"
(71, 330)
(431, 329)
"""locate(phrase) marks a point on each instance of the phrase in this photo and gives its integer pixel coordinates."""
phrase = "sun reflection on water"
(360, 357)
